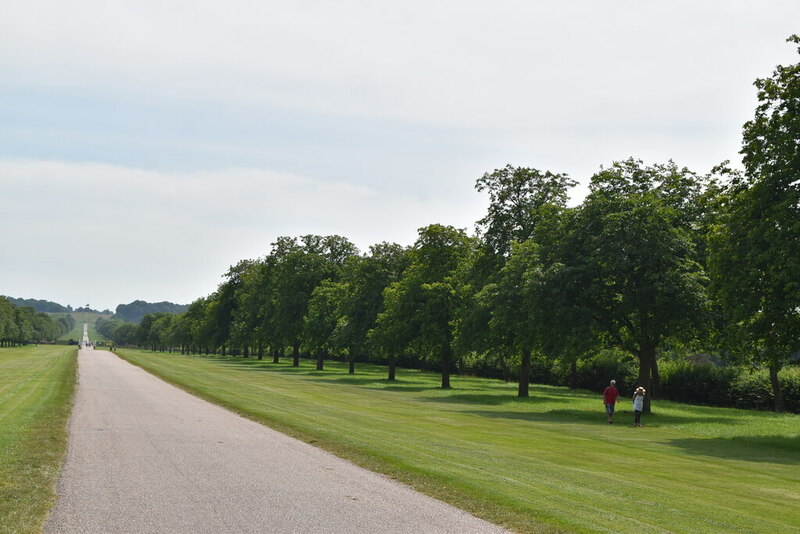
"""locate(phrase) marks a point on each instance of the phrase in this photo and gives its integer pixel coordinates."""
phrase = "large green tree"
(421, 306)
(322, 317)
(300, 266)
(519, 199)
(364, 279)
(626, 259)
(757, 247)
(517, 196)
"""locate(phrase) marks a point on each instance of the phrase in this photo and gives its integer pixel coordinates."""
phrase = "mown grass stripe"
(38, 384)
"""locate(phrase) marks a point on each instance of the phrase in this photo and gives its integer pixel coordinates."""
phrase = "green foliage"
(40, 305)
(421, 306)
(698, 384)
(714, 385)
(517, 198)
(752, 390)
(323, 317)
(20, 325)
(595, 373)
(137, 309)
(626, 260)
(300, 266)
(755, 263)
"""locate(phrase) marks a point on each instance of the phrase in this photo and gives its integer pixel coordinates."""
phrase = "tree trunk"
(446, 356)
(573, 375)
(260, 353)
(776, 388)
(246, 352)
(392, 365)
(524, 374)
(646, 357)
(655, 384)
(320, 360)
(351, 358)
(296, 354)
(276, 356)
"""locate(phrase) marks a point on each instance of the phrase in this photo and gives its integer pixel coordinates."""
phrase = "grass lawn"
(36, 386)
(543, 464)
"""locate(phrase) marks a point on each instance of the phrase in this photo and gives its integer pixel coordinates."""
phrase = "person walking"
(610, 396)
(638, 405)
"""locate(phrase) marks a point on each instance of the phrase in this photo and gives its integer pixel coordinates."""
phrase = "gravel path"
(145, 456)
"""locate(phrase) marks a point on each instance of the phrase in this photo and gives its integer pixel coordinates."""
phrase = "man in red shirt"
(610, 396)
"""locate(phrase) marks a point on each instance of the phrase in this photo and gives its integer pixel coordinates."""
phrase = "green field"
(548, 463)
(36, 386)
(83, 317)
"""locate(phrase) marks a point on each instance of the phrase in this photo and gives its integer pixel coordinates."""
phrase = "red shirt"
(610, 395)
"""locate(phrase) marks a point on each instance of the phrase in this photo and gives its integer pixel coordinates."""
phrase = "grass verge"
(544, 464)
(36, 389)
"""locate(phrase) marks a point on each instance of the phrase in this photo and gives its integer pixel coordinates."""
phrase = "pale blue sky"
(168, 140)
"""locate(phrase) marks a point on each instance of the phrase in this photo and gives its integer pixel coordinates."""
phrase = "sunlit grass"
(546, 463)
(36, 387)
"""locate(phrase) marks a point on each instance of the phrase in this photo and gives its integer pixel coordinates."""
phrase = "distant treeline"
(45, 306)
(20, 325)
(137, 309)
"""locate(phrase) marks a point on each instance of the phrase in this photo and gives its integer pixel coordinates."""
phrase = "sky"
(147, 146)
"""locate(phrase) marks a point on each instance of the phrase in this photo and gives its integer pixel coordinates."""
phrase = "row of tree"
(655, 256)
(20, 325)
(137, 309)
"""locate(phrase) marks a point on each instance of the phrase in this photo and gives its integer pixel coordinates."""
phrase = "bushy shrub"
(790, 383)
(752, 391)
(706, 384)
(594, 373)
(733, 387)
(544, 371)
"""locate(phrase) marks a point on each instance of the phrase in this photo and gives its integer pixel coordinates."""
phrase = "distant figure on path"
(638, 406)
(610, 396)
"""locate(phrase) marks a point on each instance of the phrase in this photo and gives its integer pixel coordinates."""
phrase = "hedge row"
(725, 386)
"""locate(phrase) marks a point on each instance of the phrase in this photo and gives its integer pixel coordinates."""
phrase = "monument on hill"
(85, 341)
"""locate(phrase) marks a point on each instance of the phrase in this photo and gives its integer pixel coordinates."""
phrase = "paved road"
(147, 457)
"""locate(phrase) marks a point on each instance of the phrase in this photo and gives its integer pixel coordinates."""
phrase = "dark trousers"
(637, 417)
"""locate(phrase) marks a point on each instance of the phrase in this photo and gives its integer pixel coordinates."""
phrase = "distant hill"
(45, 306)
(137, 309)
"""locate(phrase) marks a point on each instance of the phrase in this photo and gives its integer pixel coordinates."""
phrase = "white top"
(638, 403)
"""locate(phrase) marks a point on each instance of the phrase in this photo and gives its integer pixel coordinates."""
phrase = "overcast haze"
(165, 141)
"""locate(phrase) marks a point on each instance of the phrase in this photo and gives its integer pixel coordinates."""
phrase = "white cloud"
(500, 65)
(124, 233)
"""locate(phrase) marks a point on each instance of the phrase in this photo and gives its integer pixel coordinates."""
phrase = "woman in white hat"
(638, 405)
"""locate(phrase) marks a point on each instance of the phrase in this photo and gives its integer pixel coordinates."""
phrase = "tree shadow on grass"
(767, 449)
(328, 376)
(550, 416)
(496, 399)
(369, 382)
(599, 417)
